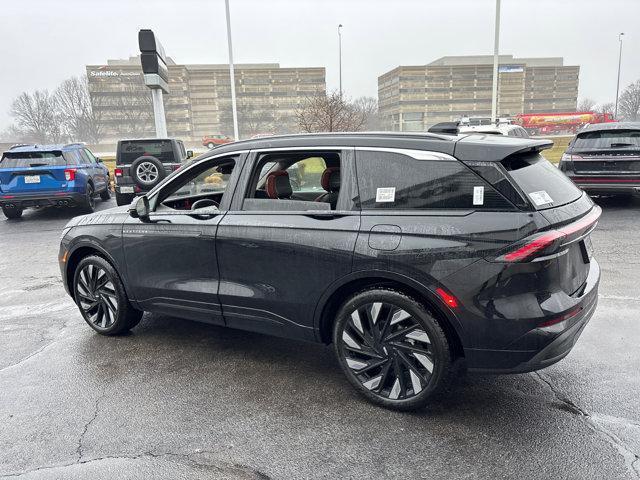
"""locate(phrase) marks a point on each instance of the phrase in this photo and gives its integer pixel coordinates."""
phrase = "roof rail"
(74, 144)
(17, 145)
(447, 128)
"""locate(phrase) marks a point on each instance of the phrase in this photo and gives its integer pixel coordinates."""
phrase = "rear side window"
(544, 184)
(396, 181)
(32, 159)
(607, 139)
(161, 149)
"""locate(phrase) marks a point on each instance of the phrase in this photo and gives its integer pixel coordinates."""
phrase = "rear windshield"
(161, 149)
(544, 184)
(32, 159)
(607, 139)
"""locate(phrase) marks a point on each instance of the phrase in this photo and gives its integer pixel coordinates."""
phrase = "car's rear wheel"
(101, 297)
(89, 204)
(392, 349)
(105, 194)
(12, 212)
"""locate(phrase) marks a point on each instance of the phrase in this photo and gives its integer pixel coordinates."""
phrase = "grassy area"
(559, 147)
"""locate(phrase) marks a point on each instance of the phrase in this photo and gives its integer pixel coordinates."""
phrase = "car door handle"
(322, 214)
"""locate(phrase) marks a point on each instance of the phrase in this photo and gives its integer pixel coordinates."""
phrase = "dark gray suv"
(142, 163)
(414, 254)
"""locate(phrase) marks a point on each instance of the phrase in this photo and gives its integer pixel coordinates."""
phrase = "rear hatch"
(571, 216)
(606, 153)
(130, 150)
(33, 173)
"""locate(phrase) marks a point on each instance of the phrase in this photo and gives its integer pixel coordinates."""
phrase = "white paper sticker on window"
(386, 194)
(478, 195)
(541, 197)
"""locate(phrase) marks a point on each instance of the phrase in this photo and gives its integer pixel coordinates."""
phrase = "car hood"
(109, 216)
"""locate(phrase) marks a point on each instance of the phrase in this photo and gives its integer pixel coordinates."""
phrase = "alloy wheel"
(147, 172)
(96, 296)
(387, 350)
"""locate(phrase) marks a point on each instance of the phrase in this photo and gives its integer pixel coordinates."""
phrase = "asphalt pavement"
(178, 399)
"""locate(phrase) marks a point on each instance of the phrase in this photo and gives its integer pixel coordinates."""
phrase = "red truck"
(560, 122)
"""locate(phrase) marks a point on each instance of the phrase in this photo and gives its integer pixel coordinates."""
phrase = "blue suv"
(51, 175)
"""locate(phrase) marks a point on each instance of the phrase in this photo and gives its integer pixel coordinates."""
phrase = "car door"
(171, 258)
(278, 256)
(94, 170)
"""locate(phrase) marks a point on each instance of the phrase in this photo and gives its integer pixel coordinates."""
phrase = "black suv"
(604, 159)
(414, 254)
(142, 163)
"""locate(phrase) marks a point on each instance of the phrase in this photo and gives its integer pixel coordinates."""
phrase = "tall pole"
(496, 42)
(615, 113)
(158, 113)
(232, 75)
(340, 56)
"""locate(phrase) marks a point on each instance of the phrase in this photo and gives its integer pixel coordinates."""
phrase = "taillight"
(549, 241)
(175, 167)
(117, 172)
(70, 174)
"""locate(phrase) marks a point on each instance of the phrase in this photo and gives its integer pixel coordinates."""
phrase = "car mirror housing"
(140, 208)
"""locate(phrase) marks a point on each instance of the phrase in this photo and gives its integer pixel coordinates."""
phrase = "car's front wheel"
(12, 212)
(210, 145)
(101, 298)
(392, 349)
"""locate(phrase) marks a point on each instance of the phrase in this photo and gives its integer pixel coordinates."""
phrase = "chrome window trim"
(410, 152)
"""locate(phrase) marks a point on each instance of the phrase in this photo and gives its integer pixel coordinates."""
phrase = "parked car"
(414, 254)
(509, 130)
(51, 175)
(211, 141)
(142, 163)
(604, 159)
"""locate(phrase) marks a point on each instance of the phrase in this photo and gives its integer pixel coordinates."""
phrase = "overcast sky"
(44, 42)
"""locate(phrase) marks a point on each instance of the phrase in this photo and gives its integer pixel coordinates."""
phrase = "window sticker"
(386, 194)
(478, 195)
(541, 197)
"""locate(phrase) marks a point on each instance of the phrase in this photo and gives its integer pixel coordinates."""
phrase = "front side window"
(207, 181)
(396, 181)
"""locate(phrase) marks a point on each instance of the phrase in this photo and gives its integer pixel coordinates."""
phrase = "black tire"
(12, 212)
(384, 364)
(101, 298)
(89, 204)
(105, 194)
(124, 198)
(147, 171)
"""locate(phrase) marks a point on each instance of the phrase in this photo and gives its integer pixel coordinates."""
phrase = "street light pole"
(232, 75)
(340, 56)
(615, 114)
(494, 94)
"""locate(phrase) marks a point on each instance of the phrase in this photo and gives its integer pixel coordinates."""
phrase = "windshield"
(32, 159)
(607, 139)
(161, 149)
(544, 184)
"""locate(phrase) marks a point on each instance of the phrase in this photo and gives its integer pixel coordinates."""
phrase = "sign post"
(156, 76)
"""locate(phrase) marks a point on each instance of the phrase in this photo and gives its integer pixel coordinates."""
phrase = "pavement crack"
(96, 410)
(223, 467)
(630, 457)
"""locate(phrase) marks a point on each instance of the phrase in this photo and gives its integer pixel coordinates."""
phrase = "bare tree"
(586, 104)
(368, 106)
(36, 116)
(74, 103)
(329, 113)
(605, 108)
(129, 110)
(629, 104)
(252, 119)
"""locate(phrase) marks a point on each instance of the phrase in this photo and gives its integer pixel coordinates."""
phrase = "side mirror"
(140, 208)
(99, 160)
(189, 153)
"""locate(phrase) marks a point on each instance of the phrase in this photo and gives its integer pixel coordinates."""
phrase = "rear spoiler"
(495, 149)
(446, 128)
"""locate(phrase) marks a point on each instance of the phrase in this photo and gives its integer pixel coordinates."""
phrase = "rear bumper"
(58, 199)
(554, 346)
(606, 185)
